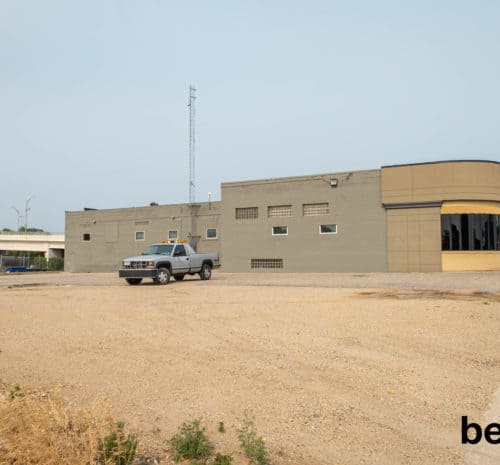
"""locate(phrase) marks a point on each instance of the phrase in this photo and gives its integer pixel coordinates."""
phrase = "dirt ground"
(337, 368)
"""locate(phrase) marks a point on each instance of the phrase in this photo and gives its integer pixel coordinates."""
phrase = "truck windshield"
(159, 249)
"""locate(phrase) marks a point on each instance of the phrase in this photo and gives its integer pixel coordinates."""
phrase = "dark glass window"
(86, 236)
(211, 233)
(280, 230)
(496, 231)
(445, 232)
(180, 251)
(470, 232)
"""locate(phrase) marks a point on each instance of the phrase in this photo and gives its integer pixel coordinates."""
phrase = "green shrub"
(191, 442)
(252, 444)
(40, 262)
(117, 447)
(223, 459)
(56, 264)
(15, 392)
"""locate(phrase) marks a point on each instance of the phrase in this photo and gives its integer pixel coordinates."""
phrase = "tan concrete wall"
(459, 180)
(112, 233)
(470, 207)
(414, 239)
(359, 245)
(485, 260)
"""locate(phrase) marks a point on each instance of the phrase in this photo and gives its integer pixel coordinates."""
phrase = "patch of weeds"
(223, 459)
(116, 447)
(221, 428)
(252, 444)
(15, 392)
(191, 443)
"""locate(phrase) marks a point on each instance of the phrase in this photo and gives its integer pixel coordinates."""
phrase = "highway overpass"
(52, 245)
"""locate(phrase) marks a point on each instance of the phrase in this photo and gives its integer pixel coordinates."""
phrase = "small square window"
(280, 230)
(172, 234)
(328, 229)
(140, 235)
(212, 233)
(86, 236)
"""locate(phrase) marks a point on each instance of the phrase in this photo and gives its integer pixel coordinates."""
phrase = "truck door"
(181, 262)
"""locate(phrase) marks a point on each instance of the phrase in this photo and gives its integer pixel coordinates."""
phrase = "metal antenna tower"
(193, 237)
(192, 98)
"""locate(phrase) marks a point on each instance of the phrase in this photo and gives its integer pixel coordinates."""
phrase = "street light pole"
(26, 210)
(19, 218)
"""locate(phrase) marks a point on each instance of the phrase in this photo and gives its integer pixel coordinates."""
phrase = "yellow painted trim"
(470, 207)
(488, 260)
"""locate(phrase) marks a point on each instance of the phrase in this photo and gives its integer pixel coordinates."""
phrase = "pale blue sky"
(93, 94)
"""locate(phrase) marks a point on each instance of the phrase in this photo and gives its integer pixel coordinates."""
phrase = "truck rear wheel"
(133, 281)
(162, 276)
(205, 272)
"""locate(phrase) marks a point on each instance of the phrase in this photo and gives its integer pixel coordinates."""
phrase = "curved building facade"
(442, 216)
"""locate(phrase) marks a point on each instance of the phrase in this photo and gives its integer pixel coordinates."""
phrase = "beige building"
(98, 240)
(424, 217)
(329, 222)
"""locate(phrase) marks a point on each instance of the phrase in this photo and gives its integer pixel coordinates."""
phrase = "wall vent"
(266, 263)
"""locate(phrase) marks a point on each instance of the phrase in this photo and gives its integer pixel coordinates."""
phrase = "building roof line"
(443, 161)
(320, 176)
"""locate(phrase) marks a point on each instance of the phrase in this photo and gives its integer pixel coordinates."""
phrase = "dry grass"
(40, 428)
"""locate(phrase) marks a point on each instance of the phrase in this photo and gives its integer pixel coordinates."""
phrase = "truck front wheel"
(206, 271)
(162, 276)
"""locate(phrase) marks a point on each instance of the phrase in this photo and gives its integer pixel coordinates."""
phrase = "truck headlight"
(151, 264)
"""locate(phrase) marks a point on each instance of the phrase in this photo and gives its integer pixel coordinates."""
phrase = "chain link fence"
(37, 263)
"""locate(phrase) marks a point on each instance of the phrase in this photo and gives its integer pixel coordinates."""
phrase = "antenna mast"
(192, 98)
(193, 237)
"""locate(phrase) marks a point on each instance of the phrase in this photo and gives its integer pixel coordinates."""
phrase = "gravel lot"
(481, 281)
(337, 368)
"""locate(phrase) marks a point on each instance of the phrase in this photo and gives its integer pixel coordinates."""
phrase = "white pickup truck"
(166, 259)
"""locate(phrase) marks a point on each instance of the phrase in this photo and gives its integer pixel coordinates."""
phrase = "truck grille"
(136, 265)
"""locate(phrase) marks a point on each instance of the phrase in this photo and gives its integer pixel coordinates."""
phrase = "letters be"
(491, 432)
